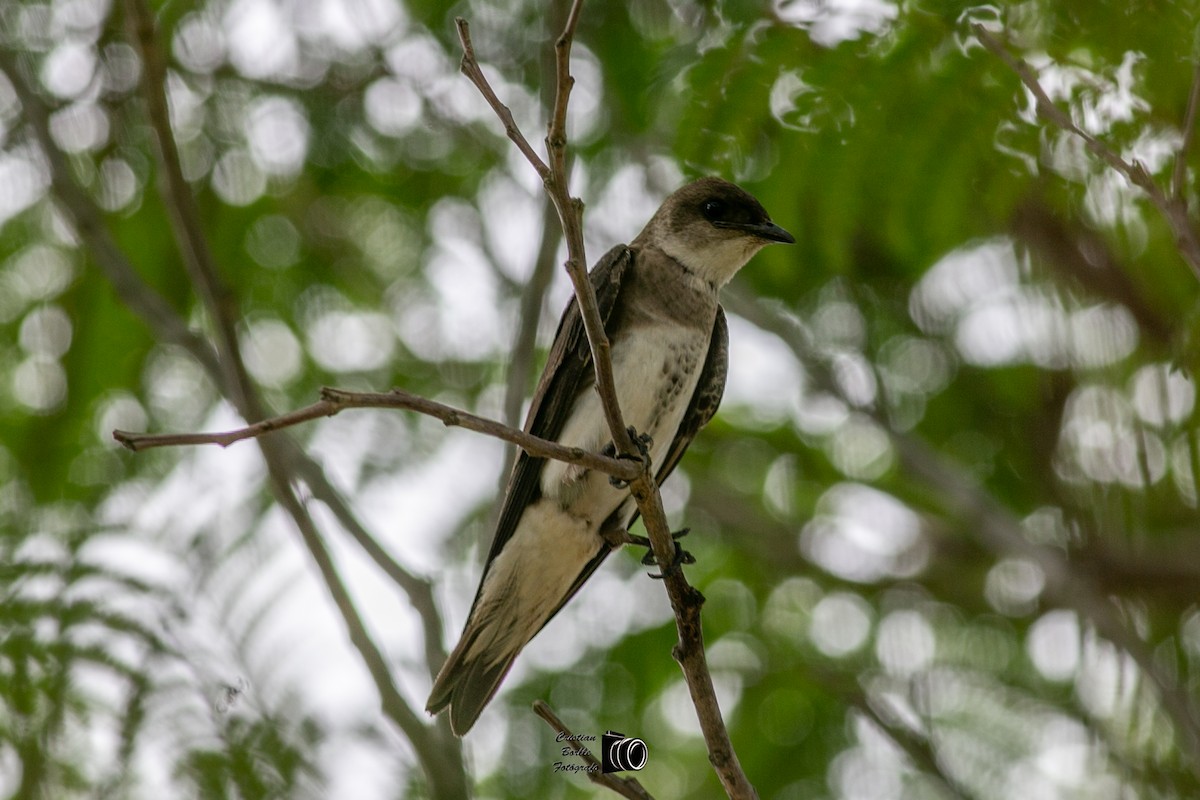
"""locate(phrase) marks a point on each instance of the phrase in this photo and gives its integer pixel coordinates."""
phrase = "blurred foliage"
(965, 278)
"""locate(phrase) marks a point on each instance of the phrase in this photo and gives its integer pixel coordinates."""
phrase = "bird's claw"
(642, 442)
(680, 558)
(621, 537)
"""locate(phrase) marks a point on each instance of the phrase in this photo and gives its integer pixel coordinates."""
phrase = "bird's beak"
(771, 232)
(763, 230)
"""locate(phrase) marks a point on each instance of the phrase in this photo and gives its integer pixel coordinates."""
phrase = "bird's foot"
(620, 537)
(680, 558)
(642, 442)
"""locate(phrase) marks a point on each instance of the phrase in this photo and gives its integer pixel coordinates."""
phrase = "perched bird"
(669, 345)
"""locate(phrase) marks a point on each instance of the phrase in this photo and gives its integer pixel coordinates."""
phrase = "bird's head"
(712, 228)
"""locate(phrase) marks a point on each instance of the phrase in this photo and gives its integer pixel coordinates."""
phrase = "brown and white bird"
(658, 299)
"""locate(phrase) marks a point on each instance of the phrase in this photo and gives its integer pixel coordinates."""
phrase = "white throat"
(715, 263)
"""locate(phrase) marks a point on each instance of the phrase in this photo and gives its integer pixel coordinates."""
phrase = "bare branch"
(184, 215)
(470, 67)
(335, 400)
(570, 213)
(419, 589)
(1173, 210)
(520, 366)
(556, 136)
(626, 787)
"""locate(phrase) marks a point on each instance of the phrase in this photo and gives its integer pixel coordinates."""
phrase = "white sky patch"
(622, 209)
(1053, 645)
(841, 623)
(831, 22)
(512, 223)
(352, 341)
(278, 133)
(415, 510)
(350, 26)
(393, 106)
(261, 41)
(68, 70)
(862, 534)
(25, 178)
(764, 377)
(976, 292)
(1162, 394)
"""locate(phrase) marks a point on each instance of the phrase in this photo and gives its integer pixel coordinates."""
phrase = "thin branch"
(418, 589)
(685, 600)
(1174, 211)
(570, 211)
(470, 67)
(626, 787)
(1179, 177)
(556, 136)
(920, 751)
(399, 710)
(335, 400)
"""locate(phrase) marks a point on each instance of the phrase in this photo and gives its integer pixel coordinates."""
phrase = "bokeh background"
(946, 520)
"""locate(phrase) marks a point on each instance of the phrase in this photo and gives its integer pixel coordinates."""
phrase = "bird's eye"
(713, 210)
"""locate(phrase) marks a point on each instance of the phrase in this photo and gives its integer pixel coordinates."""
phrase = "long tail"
(466, 684)
(494, 635)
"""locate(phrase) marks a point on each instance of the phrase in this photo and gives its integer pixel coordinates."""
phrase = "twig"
(470, 67)
(685, 600)
(1179, 177)
(570, 209)
(1173, 210)
(335, 400)
(626, 787)
(920, 751)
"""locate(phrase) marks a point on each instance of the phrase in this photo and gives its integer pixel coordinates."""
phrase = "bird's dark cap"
(729, 206)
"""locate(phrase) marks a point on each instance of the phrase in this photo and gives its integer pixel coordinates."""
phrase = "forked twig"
(335, 400)
(570, 209)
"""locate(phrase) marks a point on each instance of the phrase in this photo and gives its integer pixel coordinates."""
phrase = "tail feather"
(496, 632)
(467, 685)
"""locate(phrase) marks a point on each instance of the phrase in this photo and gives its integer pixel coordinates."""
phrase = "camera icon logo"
(621, 754)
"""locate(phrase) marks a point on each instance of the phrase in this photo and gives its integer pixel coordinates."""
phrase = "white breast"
(655, 370)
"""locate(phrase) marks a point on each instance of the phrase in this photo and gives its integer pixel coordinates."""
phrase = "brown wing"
(568, 372)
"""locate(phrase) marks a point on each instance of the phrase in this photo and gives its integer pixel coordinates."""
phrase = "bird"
(658, 299)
